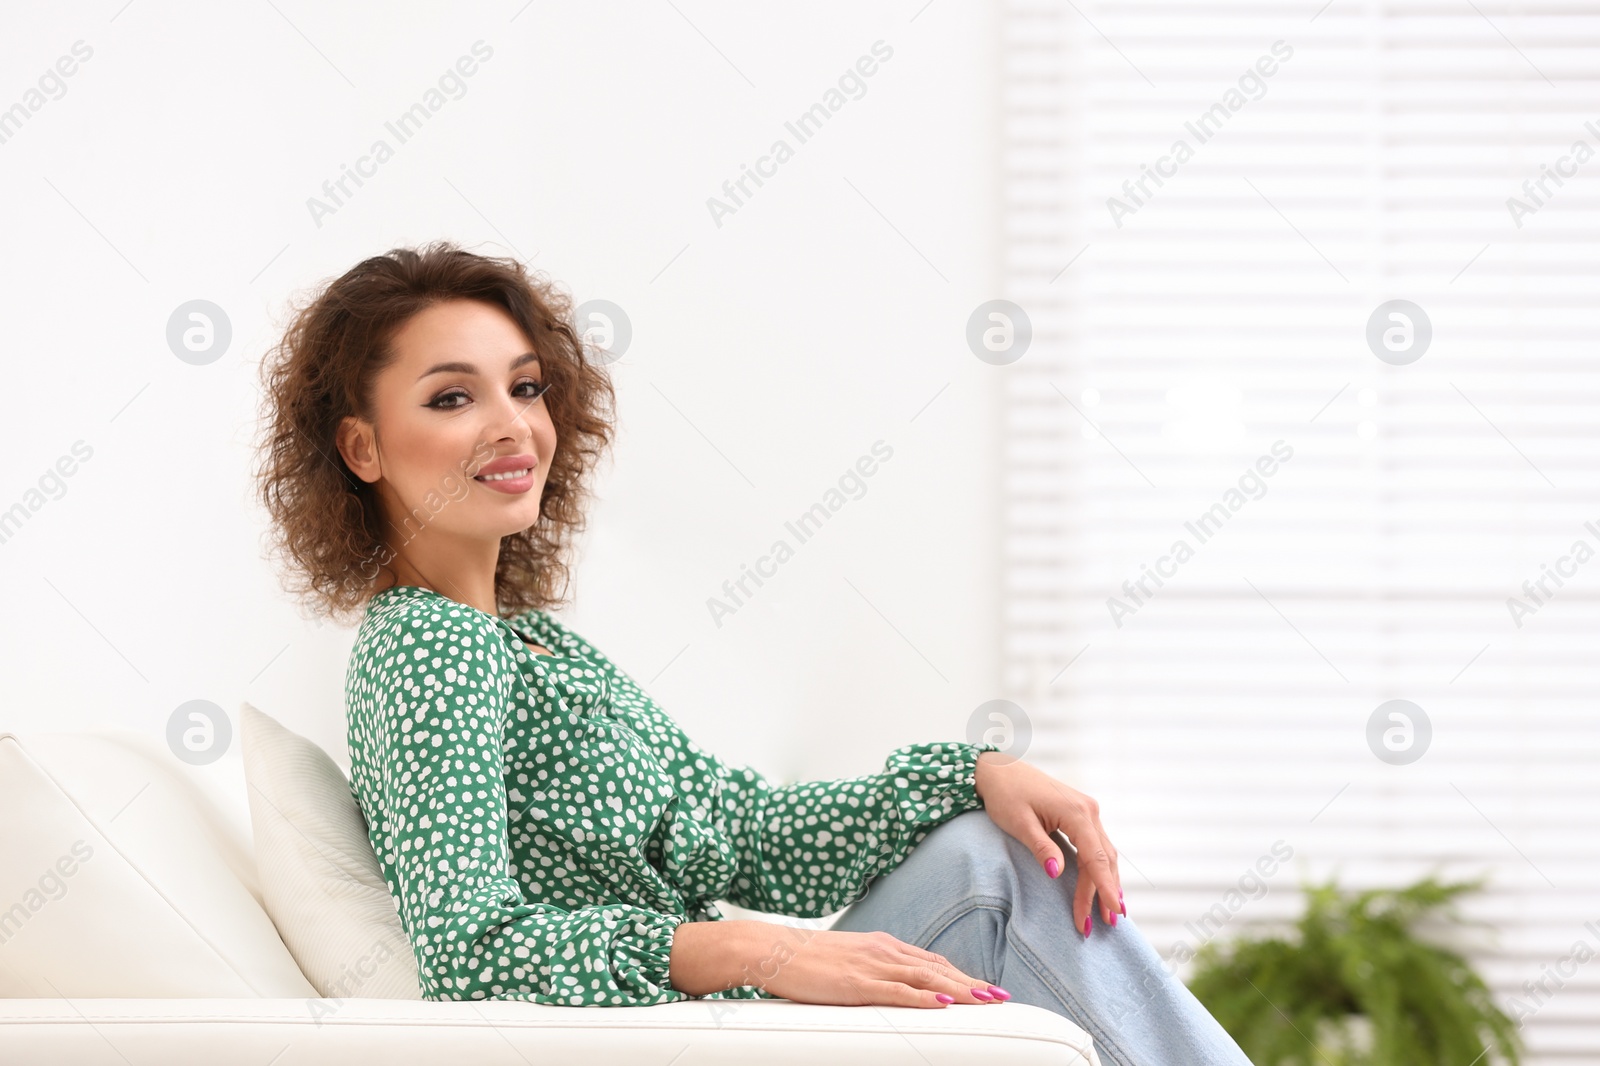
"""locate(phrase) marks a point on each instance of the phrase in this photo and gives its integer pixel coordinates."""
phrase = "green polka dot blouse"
(544, 827)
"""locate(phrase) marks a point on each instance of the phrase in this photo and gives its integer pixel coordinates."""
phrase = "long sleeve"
(811, 848)
(807, 849)
(434, 791)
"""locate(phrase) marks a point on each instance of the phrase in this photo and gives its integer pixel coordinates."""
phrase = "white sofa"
(135, 928)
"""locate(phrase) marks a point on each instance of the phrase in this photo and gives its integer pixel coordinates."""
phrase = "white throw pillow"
(124, 874)
(320, 879)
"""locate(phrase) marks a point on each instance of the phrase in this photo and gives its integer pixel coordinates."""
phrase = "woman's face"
(462, 393)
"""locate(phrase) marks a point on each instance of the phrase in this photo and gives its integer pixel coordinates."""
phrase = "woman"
(548, 832)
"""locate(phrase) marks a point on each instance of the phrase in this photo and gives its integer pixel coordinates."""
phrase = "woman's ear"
(356, 446)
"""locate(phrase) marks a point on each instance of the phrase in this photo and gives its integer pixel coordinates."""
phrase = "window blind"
(1246, 509)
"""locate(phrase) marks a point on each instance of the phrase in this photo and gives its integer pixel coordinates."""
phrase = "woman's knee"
(969, 844)
(991, 860)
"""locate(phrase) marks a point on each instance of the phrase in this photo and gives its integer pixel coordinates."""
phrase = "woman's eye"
(538, 389)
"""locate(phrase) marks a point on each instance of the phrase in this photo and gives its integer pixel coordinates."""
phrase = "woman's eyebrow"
(468, 368)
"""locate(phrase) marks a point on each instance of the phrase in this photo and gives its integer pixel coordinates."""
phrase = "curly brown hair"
(327, 522)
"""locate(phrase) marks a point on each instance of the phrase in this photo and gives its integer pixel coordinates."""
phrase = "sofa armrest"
(337, 1032)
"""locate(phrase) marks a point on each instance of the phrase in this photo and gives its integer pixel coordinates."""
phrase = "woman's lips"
(511, 485)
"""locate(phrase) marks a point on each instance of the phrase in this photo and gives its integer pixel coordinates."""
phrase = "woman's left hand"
(1029, 804)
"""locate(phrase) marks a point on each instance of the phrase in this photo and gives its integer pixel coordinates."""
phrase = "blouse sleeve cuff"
(940, 778)
(642, 957)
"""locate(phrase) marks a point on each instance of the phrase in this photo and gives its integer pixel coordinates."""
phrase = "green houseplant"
(1357, 986)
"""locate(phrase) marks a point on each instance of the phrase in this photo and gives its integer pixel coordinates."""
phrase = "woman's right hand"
(855, 969)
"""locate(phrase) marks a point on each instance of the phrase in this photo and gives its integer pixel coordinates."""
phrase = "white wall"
(822, 316)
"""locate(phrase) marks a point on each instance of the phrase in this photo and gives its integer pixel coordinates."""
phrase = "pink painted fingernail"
(942, 998)
(1087, 919)
(980, 994)
(1113, 919)
(999, 993)
(1121, 906)
(1052, 867)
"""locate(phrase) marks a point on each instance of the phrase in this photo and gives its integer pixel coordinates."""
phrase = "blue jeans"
(972, 893)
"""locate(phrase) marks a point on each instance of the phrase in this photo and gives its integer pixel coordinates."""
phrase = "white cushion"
(320, 878)
(772, 1032)
(122, 875)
